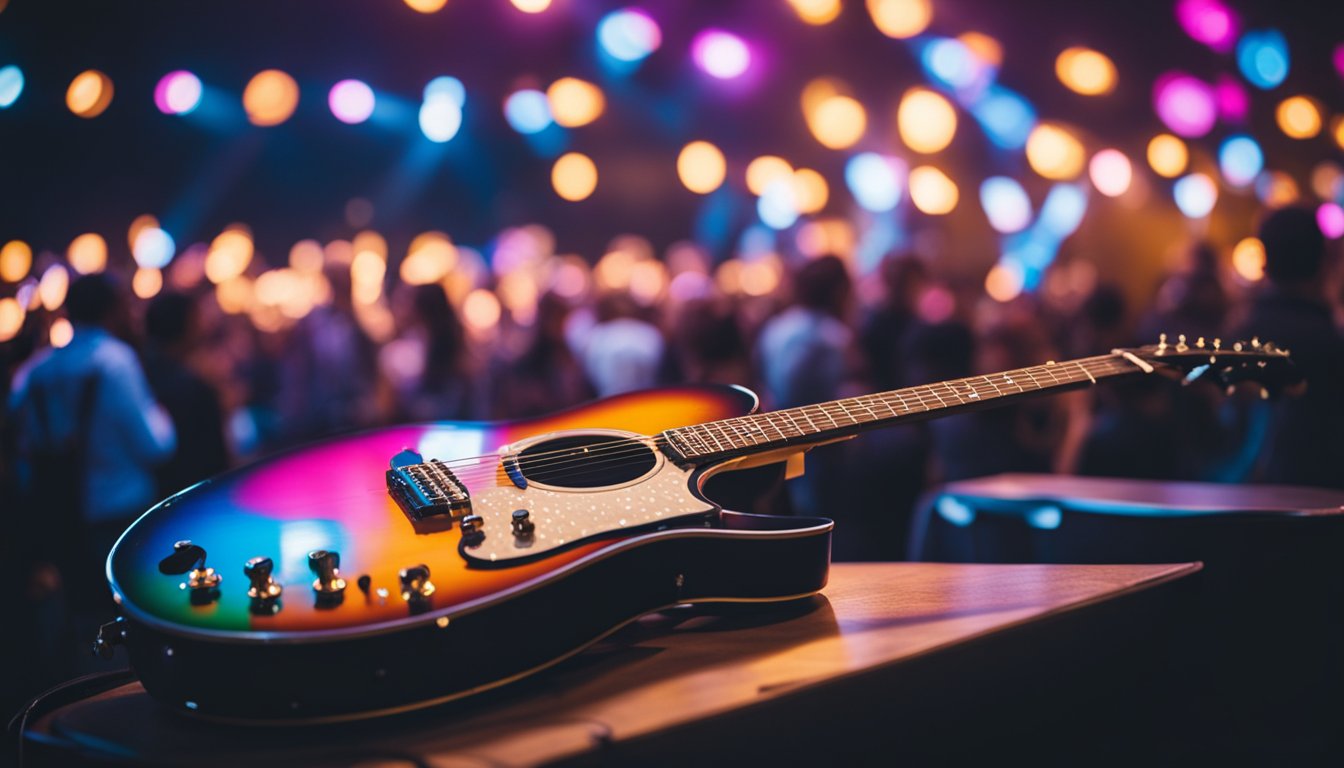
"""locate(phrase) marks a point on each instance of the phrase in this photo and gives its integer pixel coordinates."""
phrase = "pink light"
(1209, 22)
(351, 101)
(1185, 104)
(1234, 105)
(177, 93)
(1330, 218)
(721, 54)
(1338, 58)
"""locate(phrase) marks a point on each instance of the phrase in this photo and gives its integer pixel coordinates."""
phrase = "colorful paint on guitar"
(332, 495)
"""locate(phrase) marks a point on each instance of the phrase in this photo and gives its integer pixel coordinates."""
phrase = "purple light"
(1209, 22)
(1185, 104)
(1234, 104)
(177, 93)
(1338, 58)
(351, 101)
(721, 54)
(1330, 218)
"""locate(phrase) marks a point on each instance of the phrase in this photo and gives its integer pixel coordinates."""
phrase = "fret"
(1086, 372)
(1034, 382)
(953, 393)
(997, 392)
(935, 394)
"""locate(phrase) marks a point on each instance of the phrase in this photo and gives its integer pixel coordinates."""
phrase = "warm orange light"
(431, 256)
(1248, 259)
(270, 97)
(61, 332)
(11, 318)
(1054, 153)
(761, 275)
(575, 102)
(701, 167)
(926, 121)
(531, 6)
(52, 287)
(1280, 190)
(89, 93)
(932, 191)
(230, 254)
(1003, 283)
(983, 47)
(481, 310)
(1299, 117)
(764, 170)
(809, 190)
(426, 6)
(1337, 130)
(140, 224)
(900, 18)
(1167, 155)
(147, 282)
(574, 176)
(234, 296)
(1085, 71)
(87, 253)
(306, 256)
(838, 122)
(16, 258)
(816, 12)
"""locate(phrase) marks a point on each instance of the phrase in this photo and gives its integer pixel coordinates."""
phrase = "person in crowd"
(430, 366)
(621, 352)
(710, 342)
(1297, 439)
(172, 332)
(546, 376)
(904, 278)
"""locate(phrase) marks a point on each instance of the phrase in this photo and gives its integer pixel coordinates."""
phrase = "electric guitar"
(405, 566)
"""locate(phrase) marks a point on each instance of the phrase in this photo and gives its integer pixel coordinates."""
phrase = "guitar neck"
(811, 424)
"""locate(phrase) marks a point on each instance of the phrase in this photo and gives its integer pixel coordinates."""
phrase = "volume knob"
(415, 583)
(327, 566)
(258, 571)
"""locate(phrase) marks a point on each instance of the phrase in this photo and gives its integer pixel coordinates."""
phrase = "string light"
(229, 255)
(1195, 195)
(12, 315)
(147, 282)
(528, 111)
(52, 287)
(531, 6)
(426, 6)
(431, 256)
(1240, 160)
(62, 333)
(1185, 104)
(810, 190)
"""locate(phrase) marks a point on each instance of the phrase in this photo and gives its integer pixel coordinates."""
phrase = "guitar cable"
(58, 696)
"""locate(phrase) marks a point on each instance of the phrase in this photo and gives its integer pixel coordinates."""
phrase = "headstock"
(1255, 361)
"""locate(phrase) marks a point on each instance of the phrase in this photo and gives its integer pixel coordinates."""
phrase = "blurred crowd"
(150, 396)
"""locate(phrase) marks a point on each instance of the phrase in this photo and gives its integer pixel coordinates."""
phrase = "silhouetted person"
(622, 352)
(430, 364)
(546, 376)
(1298, 439)
(885, 328)
(171, 333)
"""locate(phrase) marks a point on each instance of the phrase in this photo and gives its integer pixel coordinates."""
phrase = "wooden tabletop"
(662, 672)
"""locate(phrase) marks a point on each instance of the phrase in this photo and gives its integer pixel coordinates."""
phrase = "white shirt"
(128, 433)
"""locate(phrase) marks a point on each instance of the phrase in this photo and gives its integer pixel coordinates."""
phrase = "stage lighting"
(11, 85)
(574, 176)
(1006, 117)
(11, 318)
(1167, 155)
(1330, 218)
(89, 93)
(574, 102)
(52, 287)
(1240, 160)
(816, 12)
(765, 170)
(926, 120)
(720, 54)
(16, 258)
(1085, 71)
(1234, 105)
(900, 18)
(87, 253)
(147, 282)
(701, 167)
(810, 190)
(440, 117)
(838, 122)
(527, 111)
(178, 93)
(62, 333)
(1248, 259)
(229, 255)
(778, 206)
(1006, 204)
(876, 181)
(1185, 104)
(153, 248)
(270, 97)
(1195, 194)
(1111, 172)
(1054, 153)
(1262, 57)
(932, 191)
(1209, 22)
(952, 63)
(629, 34)
(351, 101)
(1299, 117)
(531, 6)
(1062, 212)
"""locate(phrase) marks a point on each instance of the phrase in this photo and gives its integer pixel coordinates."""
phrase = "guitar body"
(617, 530)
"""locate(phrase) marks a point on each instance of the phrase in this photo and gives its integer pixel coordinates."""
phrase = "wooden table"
(746, 684)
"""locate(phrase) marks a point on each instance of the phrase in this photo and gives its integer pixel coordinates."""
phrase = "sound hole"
(586, 461)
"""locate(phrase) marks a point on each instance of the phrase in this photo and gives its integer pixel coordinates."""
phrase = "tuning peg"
(1181, 346)
(1200, 342)
(258, 571)
(1217, 343)
(1161, 341)
(327, 566)
(1255, 342)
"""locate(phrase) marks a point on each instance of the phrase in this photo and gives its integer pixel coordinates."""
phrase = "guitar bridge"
(426, 489)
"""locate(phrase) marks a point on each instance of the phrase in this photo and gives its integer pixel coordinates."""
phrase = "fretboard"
(839, 418)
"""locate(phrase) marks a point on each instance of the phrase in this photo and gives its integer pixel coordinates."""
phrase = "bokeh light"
(765, 170)
(1006, 204)
(900, 18)
(147, 282)
(89, 93)
(1248, 259)
(701, 167)
(270, 97)
(1061, 214)
(1327, 181)
(447, 86)
(574, 176)
(810, 190)
(1167, 155)
(1209, 22)
(440, 116)
(816, 12)
(178, 93)
(926, 120)
(1085, 71)
(528, 111)
(720, 54)
(1111, 172)
(11, 85)
(575, 102)
(1234, 104)
(1185, 104)
(12, 314)
(983, 47)
(531, 6)
(430, 257)
(1004, 281)
(351, 101)
(1330, 218)
(778, 205)
(1054, 153)
(876, 181)
(629, 34)
(1240, 160)
(1337, 130)
(481, 310)
(1299, 117)
(61, 333)
(932, 191)
(1006, 117)
(1262, 57)
(953, 64)
(838, 122)
(229, 255)
(153, 247)
(426, 6)
(52, 287)
(1276, 189)
(16, 258)
(87, 253)
(1195, 194)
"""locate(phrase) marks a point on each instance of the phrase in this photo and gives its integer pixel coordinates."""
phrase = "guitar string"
(930, 399)
(976, 388)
